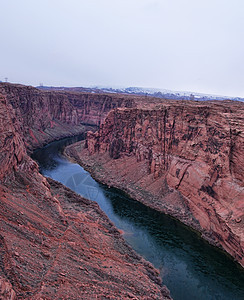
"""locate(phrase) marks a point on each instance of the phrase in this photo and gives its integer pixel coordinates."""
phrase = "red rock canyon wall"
(186, 159)
(44, 116)
(55, 244)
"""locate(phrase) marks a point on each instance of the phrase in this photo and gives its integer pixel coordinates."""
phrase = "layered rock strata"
(55, 244)
(44, 116)
(185, 159)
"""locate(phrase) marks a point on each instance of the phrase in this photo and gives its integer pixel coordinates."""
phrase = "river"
(189, 266)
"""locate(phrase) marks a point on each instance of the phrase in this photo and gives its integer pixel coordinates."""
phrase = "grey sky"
(191, 45)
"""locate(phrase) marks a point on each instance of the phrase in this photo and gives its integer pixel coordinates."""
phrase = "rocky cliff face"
(185, 159)
(13, 151)
(57, 245)
(44, 116)
(53, 243)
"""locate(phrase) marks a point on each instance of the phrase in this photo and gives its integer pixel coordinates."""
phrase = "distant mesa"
(152, 92)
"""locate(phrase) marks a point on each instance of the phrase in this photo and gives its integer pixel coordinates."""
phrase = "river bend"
(189, 266)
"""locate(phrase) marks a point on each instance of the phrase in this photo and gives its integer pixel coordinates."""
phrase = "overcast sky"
(188, 45)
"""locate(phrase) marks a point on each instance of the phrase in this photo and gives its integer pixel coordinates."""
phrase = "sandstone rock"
(11, 141)
(55, 244)
(192, 159)
(6, 290)
(44, 116)
(63, 246)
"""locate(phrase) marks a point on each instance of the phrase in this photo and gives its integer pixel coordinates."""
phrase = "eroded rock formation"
(44, 116)
(11, 142)
(55, 244)
(184, 158)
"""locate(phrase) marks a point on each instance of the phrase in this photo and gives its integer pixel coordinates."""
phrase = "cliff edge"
(53, 243)
(184, 158)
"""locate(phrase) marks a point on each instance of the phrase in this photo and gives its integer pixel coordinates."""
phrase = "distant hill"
(158, 93)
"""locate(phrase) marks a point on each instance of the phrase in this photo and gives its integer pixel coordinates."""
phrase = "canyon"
(54, 243)
(44, 116)
(185, 159)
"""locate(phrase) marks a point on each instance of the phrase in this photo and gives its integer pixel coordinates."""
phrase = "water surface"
(189, 266)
